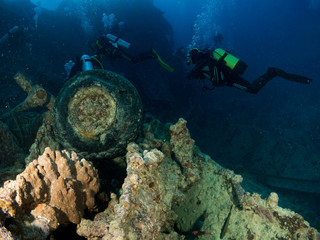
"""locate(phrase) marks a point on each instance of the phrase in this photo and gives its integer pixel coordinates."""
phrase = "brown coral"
(55, 189)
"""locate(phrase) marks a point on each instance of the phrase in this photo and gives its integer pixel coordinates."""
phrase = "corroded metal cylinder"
(97, 113)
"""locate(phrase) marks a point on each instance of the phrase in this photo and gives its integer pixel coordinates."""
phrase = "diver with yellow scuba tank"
(223, 69)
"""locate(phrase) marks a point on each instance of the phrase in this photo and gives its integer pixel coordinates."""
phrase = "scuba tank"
(117, 41)
(230, 61)
(86, 63)
(68, 67)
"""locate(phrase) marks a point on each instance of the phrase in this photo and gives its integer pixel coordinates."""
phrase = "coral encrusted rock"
(175, 192)
(54, 189)
(144, 208)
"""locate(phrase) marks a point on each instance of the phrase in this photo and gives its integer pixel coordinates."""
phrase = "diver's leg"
(124, 55)
(261, 81)
(289, 76)
(272, 73)
(240, 83)
(143, 56)
(152, 54)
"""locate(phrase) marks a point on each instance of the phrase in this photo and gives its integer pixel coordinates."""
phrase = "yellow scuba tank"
(233, 63)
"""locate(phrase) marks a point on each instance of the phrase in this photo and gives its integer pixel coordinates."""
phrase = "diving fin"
(289, 76)
(297, 78)
(161, 62)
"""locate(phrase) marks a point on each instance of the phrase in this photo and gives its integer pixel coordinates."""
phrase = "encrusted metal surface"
(92, 111)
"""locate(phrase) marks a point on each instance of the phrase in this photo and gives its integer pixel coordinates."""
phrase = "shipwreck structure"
(171, 189)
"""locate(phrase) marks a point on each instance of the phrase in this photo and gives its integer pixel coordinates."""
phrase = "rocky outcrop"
(177, 185)
(172, 191)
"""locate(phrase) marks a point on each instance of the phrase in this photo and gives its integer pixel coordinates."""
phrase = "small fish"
(200, 233)
(224, 229)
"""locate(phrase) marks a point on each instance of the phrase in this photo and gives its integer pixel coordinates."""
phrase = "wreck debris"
(37, 96)
(146, 188)
(183, 148)
(97, 113)
(167, 188)
(144, 208)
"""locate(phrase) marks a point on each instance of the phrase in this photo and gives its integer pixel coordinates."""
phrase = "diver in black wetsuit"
(223, 69)
(113, 47)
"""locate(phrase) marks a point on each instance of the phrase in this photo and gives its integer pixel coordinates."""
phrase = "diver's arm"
(196, 72)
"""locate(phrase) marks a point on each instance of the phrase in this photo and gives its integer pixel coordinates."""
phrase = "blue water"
(284, 34)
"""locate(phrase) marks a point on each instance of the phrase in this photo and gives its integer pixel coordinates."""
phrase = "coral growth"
(183, 149)
(144, 208)
(54, 189)
(182, 187)
(172, 191)
(153, 183)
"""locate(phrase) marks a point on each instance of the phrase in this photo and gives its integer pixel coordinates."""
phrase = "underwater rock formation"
(152, 184)
(54, 189)
(172, 191)
(156, 202)
(182, 147)
(97, 113)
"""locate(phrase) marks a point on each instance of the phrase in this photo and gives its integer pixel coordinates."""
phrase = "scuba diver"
(113, 47)
(217, 39)
(9, 34)
(223, 69)
(16, 36)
